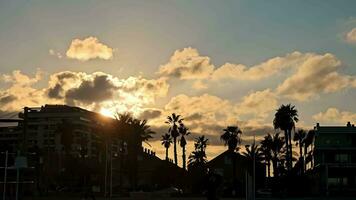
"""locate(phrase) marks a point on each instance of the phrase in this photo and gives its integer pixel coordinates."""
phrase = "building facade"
(335, 158)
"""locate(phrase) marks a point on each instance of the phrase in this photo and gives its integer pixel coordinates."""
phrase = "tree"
(285, 118)
(266, 149)
(231, 137)
(197, 159)
(166, 142)
(201, 143)
(134, 132)
(277, 153)
(298, 138)
(183, 132)
(174, 120)
(253, 152)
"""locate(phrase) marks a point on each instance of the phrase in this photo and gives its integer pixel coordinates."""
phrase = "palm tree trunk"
(287, 147)
(183, 156)
(275, 168)
(175, 150)
(166, 153)
(290, 149)
(269, 168)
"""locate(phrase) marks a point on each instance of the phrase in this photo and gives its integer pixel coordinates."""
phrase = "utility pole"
(254, 170)
(106, 168)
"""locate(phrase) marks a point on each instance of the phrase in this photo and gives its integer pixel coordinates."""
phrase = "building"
(223, 165)
(72, 148)
(335, 158)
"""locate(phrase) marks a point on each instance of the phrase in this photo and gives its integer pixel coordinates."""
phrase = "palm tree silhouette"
(232, 138)
(266, 149)
(166, 142)
(277, 152)
(174, 120)
(298, 138)
(183, 132)
(253, 152)
(134, 131)
(201, 143)
(197, 159)
(285, 118)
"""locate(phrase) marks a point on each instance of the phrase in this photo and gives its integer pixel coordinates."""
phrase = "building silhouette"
(335, 158)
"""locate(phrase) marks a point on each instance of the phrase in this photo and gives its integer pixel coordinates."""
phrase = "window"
(341, 158)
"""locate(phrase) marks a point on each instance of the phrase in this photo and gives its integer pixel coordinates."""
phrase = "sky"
(216, 63)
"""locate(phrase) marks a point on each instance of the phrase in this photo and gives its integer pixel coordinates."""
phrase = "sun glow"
(106, 112)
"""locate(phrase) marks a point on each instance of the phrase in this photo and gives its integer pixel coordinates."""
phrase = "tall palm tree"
(285, 118)
(266, 149)
(174, 120)
(231, 137)
(183, 130)
(166, 142)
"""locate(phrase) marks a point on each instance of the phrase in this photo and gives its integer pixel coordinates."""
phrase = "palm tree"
(198, 157)
(174, 120)
(253, 152)
(231, 137)
(183, 132)
(266, 149)
(276, 152)
(166, 142)
(201, 143)
(285, 118)
(298, 138)
(134, 132)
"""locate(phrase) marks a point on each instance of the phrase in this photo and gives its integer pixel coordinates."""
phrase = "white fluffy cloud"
(89, 48)
(351, 36)
(317, 74)
(263, 70)
(334, 115)
(187, 64)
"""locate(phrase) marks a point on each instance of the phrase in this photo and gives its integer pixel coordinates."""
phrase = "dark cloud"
(55, 91)
(97, 90)
(7, 99)
(150, 114)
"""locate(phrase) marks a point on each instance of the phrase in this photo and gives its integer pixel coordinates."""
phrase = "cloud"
(7, 99)
(334, 115)
(259, 103)
(54, 53)
(150, 113)
(89, 48)
(187, 64)
(351, 36)
(263, 70)
(92, 91)
(318, 74)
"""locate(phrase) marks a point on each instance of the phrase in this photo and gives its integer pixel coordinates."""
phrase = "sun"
(106, 112)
